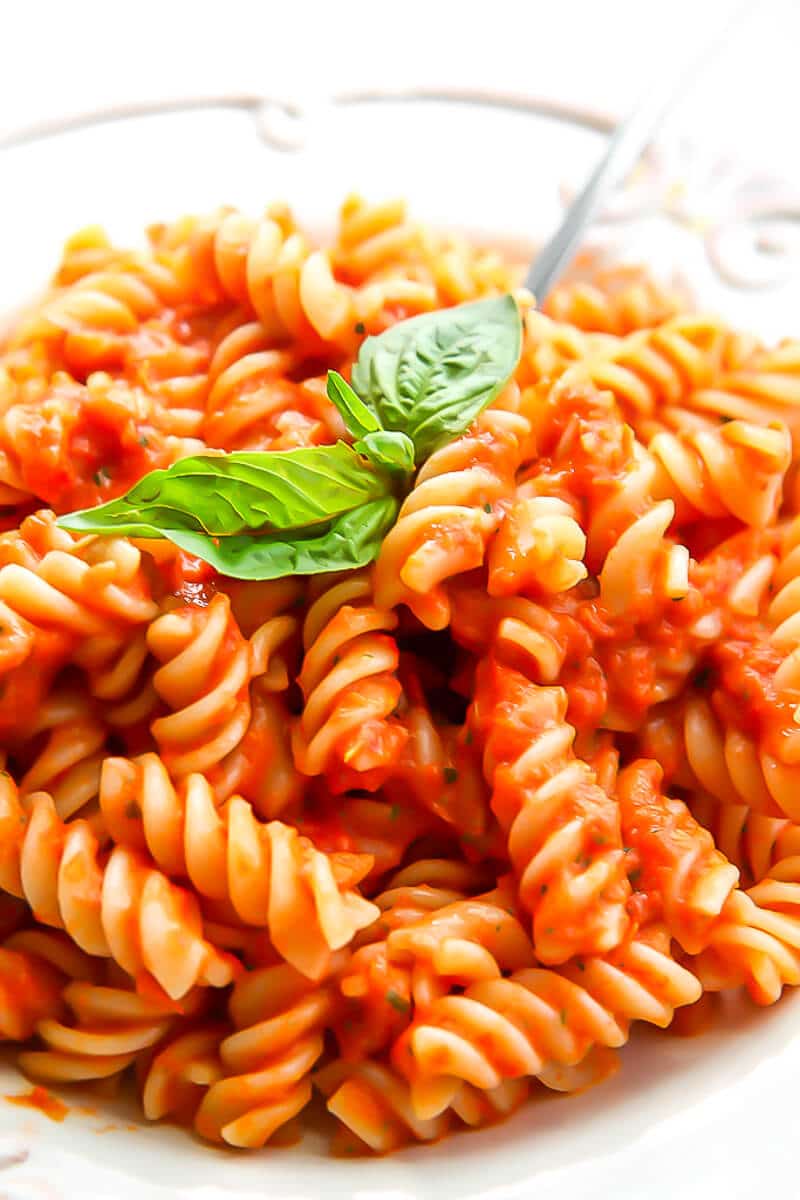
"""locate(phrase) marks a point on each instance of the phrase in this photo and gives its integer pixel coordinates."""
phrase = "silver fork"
(626, 145)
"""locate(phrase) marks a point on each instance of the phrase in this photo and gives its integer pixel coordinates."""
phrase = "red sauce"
(744, 693)
(43, 1101)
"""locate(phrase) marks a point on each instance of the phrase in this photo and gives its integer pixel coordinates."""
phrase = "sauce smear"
(41, 1099)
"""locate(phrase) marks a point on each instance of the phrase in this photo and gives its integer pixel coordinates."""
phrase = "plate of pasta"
(399, 686)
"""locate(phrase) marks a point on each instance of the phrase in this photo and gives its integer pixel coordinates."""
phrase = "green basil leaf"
(358, 419)
(228, 494)
(387, 448)
(349, 542)
(429, 377)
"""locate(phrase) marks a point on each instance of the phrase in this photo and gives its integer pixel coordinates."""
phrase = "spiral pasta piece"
(252, 405)
(549, 348)
(645, 563)
(518, 631)
(109, 1027)
(466, 940)
(271, 877)
(614, 299)
(658, 367)
(446, 522)
(375, 1104)
(116, 906)
(89, 323)
(539, 545)
(783, 612)
(563, 829)
(756, 942)
(378, 993)
(69, 742)
(731, 767)
(261, 767)
(612, 489)
(255, 263)
(177, 1077)
(678, 865)
(395, 265)
(204, 678)
(702, 471)
(756, 385)
(35, 966)
(53, 592)
(350, 689)
(752, 841)
(50, 446)
(500, 1029)
(268, 1060)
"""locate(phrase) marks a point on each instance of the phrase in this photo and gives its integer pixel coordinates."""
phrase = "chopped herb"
(635, 874)
(543, 888)
(394, 812)
(143, 441)
(581, 965)
(450, 774)
(101, 477)
(487, 507)
(468, 738)
(359, 327)
(498, 928)
(397, 1001)
(132, 810)
(337, 658)
(562, 1016)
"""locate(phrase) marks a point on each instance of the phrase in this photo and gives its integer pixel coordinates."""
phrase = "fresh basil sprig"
(263, 515)
(349, 542)
(229, 494)
(430, 376)
(384, 447)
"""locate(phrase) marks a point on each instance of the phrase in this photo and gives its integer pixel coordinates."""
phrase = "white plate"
(710, 1116)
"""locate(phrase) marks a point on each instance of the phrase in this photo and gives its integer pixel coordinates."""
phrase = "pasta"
(429, 824)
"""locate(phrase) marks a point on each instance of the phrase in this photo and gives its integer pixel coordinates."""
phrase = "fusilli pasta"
(431, 834)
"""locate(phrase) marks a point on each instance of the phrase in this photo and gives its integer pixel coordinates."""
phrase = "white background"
(71, 55)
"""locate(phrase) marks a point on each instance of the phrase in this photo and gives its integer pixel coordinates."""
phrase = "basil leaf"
(430, 376)
(229, 494)
(358, 419)
(387, 448)
(349, 542)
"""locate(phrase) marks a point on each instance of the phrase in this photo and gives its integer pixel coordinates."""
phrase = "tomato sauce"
(43, 1101)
